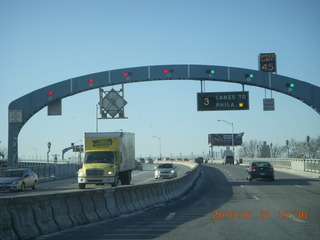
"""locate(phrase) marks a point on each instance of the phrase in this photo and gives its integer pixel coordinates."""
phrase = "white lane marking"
(241, 186)
(255, 197)
(298, 186)
(296, 219)
(170, 216)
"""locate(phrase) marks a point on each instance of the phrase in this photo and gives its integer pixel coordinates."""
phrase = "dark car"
(138, 166)
(260, 170)
(228, 159)
(149, 160)
(199, 160)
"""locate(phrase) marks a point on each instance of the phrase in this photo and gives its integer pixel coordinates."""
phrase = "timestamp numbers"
(259, 215)
(295, 214)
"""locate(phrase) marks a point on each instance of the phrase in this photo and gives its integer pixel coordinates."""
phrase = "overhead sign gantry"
(23, 108)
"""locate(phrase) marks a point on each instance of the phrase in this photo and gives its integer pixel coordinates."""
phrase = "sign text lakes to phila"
(217, 101)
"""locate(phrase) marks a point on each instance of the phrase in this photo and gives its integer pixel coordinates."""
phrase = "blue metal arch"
(33, 102)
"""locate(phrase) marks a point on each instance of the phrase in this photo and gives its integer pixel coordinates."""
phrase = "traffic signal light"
(168, 71)
(291, 85)
(90, 80)
(248, 75)
(127, 74)
(210, 71)
(50, 92)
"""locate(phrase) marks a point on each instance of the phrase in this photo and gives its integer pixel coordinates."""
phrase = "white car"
(18, 179)
(165, 170)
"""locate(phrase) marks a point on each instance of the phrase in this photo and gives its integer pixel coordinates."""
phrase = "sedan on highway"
(260, 170)
(18, 179)
(165, 170)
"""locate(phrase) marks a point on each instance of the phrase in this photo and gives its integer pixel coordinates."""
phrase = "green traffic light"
(291, 84)
(249, 75)
(212, 71)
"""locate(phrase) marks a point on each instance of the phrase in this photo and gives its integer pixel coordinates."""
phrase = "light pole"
(232, 139)
(287, 143)
(49, 146)
(308, 143)
(159, 145)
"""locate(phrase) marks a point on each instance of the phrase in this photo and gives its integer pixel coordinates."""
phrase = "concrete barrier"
(141, 199)
(22, 217)
(43, 214)
(88, 206)
(157, 191)
(120, 201)
(60, 211)
(29, 217)
(134, 198)
(75, 208)
(125, 191)
(145, 195)
(100, 205)
(150, 194)
(7, 232)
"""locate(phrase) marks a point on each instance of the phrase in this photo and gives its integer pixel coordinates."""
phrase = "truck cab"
(99, 167)
(109, 157)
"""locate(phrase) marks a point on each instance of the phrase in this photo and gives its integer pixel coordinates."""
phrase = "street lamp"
(308, 143)
(49, 146)
(232, 139)
(287, 143)
(159, 145)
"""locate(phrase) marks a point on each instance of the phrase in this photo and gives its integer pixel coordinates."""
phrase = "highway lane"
(258, 211)
(71, 184)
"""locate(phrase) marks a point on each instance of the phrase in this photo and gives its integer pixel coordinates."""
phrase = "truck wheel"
(115, 183)
(82, 185)
(125, 178)
(129, 178)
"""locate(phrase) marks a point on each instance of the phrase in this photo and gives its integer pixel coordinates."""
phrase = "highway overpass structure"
(23, 108)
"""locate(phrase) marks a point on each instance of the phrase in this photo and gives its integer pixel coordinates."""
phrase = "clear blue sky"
(44, 42)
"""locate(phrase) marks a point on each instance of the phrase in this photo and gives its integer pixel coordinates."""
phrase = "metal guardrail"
(307, 165)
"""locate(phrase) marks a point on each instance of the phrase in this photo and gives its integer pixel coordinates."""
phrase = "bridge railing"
(307, 165)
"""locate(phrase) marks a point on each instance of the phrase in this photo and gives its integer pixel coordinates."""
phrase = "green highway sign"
(219, 101)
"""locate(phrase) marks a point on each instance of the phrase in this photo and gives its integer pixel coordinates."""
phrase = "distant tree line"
(309, 148)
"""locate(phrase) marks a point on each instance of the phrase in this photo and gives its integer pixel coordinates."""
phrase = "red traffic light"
(90, 80)
(50, 92)
(168, 71)
(126, 74)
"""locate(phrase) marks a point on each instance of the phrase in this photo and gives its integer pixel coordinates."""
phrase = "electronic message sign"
(267, 62)
(215, 101)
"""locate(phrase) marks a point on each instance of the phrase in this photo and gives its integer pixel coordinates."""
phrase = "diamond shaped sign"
(113, 102)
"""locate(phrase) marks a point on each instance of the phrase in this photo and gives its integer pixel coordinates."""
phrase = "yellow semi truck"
(109, 158)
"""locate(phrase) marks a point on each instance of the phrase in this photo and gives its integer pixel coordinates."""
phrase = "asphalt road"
(223, 205)
(71, 184)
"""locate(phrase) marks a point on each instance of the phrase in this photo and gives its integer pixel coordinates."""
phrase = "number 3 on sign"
(206, 101)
